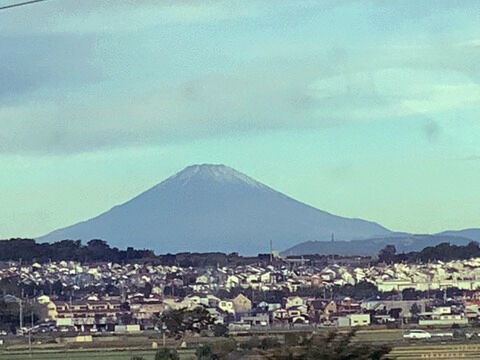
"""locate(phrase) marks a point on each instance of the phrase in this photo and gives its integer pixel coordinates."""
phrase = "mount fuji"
(207, 208)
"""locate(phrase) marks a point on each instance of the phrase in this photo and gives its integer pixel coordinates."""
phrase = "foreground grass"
(100, 354)
(126, 355)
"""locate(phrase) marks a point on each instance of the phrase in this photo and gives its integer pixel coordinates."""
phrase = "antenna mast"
(271, 252)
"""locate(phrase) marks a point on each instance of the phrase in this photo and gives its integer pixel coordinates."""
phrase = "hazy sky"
(363, 108)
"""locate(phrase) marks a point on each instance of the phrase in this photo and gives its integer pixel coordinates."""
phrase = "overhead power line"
(5, 7)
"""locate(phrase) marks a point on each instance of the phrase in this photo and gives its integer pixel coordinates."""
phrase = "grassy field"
(437, 351)
(127, 355)
(403, 352)
(124, 347)
(101, 354)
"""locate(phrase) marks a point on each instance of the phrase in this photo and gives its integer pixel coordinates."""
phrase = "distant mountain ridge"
(215, 208)
(473, 234)
(370, 247)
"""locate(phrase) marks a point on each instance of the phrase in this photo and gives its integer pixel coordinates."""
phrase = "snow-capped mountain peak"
(215, 172)
(214, 208)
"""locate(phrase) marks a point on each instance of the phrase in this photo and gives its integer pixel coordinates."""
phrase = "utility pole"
(20, 304)
(164, 330)
(30, 334)
(271, 252)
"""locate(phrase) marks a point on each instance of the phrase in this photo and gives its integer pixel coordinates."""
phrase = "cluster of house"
(145, 291)
(291, 276)
(461, 274)
(240, 313)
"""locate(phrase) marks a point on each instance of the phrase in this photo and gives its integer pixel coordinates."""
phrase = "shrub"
(166, 354)
(220, 330)
(269, 342)
(252, 343)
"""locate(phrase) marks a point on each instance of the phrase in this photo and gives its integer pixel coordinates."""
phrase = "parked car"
(41, 329)
(65, 329)
(239, 326)
(417, 334)
(445, 334)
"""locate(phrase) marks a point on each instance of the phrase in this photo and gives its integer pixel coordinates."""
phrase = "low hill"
(473, 234)
(371, 247)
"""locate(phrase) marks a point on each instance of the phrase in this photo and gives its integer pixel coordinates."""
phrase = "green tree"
(387, 254)
(166, 354)
(218, 350)
(359, 291)
(220, 330)
(179, 322)
(205, 352)
(415, 310)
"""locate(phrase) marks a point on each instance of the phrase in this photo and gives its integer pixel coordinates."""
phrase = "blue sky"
(362, 108)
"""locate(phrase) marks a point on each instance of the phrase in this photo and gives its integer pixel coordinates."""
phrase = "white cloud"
(92, 16)
(252, 100)
(272, 91)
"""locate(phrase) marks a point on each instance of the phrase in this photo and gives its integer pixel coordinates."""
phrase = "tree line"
(28, 250)
(442, 252)
(96, 250)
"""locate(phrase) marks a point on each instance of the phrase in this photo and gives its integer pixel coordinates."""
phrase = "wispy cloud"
(471, 158)
(112, 16)
(275, 96)
(66, 92)
(32, 62)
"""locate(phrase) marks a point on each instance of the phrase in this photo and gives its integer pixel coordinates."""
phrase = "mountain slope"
(403, 243)
(473, 234)
(214, 208)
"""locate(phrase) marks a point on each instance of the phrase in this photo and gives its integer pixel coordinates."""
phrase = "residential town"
(288, 293)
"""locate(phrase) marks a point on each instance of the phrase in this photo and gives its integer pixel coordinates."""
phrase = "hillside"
(403, 243)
